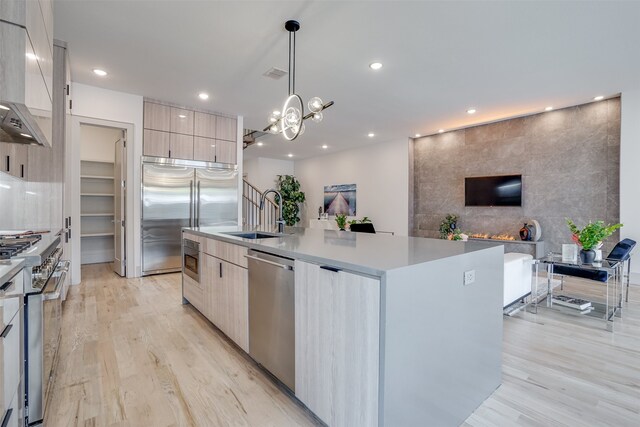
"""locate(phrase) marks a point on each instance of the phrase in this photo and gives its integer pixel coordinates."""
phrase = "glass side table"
(606, 307)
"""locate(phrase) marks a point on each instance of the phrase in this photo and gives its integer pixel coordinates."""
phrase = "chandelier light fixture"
(290, 119)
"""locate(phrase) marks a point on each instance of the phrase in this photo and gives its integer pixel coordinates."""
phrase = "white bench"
(517, 277)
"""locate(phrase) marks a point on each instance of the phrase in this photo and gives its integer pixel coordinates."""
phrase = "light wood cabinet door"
(337, 344)
(19, 157)
(226, 128)
(5, 157)
(156, 143)
(205, 125)
(234, 303)
(204, 149)
(181, 121)
(211, 287)
(226, 152)
(181, 146)
(193, 292)
(157, 117)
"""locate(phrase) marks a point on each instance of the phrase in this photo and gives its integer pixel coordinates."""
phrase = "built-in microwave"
(191, 259)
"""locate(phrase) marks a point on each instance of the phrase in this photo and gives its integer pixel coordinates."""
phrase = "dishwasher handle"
(277, 264)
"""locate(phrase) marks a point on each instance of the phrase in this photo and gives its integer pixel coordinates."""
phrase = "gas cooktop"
(11, 246)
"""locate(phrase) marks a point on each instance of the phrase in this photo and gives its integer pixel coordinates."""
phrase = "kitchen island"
(389, 330)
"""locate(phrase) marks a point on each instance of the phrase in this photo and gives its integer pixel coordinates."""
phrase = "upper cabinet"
(181, 121)
(157, 117)
(205, 125)
(226, 128)
(181, 133)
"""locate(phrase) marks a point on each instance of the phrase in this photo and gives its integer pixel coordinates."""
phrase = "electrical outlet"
(469, 277)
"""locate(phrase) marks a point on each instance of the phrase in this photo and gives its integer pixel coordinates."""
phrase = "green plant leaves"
(289, 187)
(592, 234)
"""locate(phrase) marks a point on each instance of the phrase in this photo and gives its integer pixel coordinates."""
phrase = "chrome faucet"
(279, 221)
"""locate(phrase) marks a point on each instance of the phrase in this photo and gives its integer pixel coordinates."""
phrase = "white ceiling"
(440, 58)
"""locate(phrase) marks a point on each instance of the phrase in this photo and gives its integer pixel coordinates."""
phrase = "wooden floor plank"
(132, 355)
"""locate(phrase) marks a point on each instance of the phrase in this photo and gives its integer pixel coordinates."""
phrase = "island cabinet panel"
(194, 293)
(234, 303)
(234, 254)
(211, 287)
(226, 296)
(337, 344)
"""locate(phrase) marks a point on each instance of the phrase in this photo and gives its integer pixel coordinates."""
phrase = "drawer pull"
(326, 267)
(6, 331)
(6, 285)
(7, 417)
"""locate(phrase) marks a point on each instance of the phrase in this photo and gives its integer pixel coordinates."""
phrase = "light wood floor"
(132, 355)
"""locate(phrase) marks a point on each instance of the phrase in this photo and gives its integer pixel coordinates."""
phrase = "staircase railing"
(252, 215)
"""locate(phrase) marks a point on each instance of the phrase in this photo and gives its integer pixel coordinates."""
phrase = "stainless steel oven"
(191, 259)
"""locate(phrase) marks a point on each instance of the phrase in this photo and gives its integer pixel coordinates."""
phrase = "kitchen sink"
(252, 235)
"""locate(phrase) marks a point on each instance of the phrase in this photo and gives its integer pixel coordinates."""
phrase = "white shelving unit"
(96, 211)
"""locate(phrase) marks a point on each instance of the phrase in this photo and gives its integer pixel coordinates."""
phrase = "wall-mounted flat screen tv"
(503, 190)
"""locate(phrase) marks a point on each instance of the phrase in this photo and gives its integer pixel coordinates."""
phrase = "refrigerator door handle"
(198, 207)
(191, 221)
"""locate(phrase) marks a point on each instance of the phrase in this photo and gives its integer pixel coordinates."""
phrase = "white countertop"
(372, 254)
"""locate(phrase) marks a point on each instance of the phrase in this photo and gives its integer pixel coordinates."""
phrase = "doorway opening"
(103, 195)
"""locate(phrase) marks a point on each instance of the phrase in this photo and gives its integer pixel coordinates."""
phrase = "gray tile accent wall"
(569, 160)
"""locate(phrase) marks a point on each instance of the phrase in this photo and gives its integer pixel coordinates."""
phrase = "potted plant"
(289, 187)
(449, 228)
(589, 237)
(341, 220)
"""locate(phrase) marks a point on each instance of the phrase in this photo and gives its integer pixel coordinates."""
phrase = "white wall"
(629, 176)
(97, 103)
(262, 172)
(381, 174)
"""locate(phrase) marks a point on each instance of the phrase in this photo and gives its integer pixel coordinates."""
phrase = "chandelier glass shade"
(290, 119)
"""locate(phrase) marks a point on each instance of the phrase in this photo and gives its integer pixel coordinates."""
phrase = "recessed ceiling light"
(290, 155)
(375, 65)
(182, 116)
(204, 96)
(549, 108)
(371, 134)
(260, 144)
(471, 111)
(2, 107)
(26, 135)
(418, 135)
(99, 72)
(598, 98)
(325, 146)
(440, 130)
(31, 56)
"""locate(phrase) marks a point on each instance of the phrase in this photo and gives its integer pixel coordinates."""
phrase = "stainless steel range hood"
(19, 125)
(25, 100)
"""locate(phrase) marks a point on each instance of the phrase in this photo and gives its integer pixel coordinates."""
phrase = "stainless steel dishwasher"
(272, 315)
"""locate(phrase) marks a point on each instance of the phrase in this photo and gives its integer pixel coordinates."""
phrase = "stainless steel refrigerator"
(181, 193)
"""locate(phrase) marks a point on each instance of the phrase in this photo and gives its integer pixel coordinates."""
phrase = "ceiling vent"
(275, 73)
